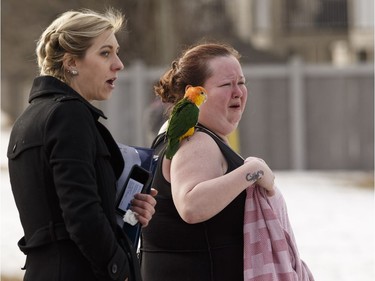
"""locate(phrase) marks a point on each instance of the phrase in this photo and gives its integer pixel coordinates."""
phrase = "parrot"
(183, 118)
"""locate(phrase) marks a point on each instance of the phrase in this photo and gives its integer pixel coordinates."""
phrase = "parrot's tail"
(172, 148)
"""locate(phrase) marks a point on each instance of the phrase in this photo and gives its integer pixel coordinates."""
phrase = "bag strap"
(161, 138)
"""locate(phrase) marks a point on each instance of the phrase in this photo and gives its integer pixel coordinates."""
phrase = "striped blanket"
(270, 250)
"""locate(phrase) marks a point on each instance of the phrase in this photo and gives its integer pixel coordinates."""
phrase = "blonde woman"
(64, 163)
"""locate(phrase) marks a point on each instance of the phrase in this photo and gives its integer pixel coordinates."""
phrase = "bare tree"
(156, 31)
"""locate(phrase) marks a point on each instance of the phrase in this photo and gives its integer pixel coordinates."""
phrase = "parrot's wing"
(182, 119)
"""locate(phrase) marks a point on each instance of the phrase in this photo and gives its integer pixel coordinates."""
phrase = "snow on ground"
(332, 215)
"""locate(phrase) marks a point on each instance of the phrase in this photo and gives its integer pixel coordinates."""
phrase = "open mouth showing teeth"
(111, 81)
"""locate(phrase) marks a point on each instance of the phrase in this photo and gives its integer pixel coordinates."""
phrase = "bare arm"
(200, 189)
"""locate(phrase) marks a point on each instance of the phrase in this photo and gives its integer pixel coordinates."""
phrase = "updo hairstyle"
(191, 68)
(72, 32)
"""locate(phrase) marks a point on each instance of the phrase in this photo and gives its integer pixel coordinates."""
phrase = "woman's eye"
(105, 53)
(226, 84)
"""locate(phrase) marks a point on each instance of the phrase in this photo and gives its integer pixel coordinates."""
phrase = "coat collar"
(44, 86)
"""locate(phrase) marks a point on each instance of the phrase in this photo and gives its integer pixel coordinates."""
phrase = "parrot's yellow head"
(197, 95)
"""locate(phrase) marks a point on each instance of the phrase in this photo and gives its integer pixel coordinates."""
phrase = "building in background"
(319, 31)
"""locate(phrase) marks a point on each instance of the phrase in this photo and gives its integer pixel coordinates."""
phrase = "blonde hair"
(72, 32)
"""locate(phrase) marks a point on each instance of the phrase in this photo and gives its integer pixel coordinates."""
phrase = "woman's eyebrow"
(110, 47)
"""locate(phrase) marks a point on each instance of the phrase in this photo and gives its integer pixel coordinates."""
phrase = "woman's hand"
(261, 174)
(144, 206)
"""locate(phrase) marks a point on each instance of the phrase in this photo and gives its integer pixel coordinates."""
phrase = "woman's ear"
(69, 62)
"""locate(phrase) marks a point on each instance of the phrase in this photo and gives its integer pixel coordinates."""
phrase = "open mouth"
(111, 81)
(235, 106)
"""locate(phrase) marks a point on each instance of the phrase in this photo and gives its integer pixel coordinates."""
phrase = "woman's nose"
(237, 92)
(118, 65)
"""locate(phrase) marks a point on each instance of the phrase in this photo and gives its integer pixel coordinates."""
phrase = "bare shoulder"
(200, 142)
(200, 150)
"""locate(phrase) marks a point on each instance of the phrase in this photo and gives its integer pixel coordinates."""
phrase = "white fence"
(298, 116)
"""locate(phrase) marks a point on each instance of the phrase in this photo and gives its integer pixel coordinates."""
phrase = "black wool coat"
(63, 167)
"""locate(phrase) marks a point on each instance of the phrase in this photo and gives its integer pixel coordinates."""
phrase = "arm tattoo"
(254, 176)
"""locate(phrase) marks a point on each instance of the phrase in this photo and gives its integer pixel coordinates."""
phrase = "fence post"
(138, 76)
(297, 114)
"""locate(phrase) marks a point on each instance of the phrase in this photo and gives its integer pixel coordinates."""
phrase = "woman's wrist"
(254, 176)
(254, 170)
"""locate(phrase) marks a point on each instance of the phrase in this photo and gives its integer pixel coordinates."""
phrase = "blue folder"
(143, 157)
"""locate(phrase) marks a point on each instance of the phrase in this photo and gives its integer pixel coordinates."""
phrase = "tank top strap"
(234, 159)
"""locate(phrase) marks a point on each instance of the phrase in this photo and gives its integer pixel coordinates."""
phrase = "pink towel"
(270, 250)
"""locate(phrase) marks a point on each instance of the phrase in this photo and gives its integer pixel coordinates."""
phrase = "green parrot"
(183, 118)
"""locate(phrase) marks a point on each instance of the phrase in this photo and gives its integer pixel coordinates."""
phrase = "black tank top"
(167, 232)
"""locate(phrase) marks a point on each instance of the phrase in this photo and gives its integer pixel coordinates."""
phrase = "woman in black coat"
(64, 163)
